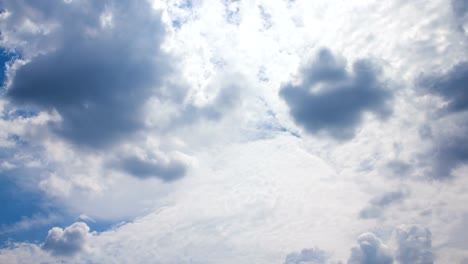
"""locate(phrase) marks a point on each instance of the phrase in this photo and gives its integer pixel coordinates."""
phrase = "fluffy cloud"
(68, 241)
(370, 251)
(330, 99)
(105, 62)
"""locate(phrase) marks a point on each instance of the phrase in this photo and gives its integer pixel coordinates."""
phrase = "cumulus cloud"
(414, 245)
(105, 60)
(378, 204)
(370, 251)
(67, 242)
(307, 256)
(332, 100)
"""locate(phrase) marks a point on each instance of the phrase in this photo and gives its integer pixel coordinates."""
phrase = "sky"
(234, 131)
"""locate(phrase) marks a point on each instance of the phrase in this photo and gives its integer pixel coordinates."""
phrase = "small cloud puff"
(68, 241)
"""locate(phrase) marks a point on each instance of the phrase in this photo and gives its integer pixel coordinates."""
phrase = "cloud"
(67, 242)
(460, 7)
(332, 100)
(448, 131)
(307, 256)
(451, 86)
(414, 245)
(378, 204)
(105, 62)
(447, 154)
(165, 170)
(370, 251)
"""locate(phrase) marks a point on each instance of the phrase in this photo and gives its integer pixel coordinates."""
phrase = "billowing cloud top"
(67, 242)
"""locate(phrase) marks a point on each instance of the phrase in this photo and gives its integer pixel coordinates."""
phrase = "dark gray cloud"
(308, 256)
(378, 204)
(450, 148)
(370, 251)
(98, 75)
(414, 245)
(67, 242)
(332, 100)
(452, 86)
(164, 170)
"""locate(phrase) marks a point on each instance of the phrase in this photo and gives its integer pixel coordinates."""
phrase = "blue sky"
(216, 131)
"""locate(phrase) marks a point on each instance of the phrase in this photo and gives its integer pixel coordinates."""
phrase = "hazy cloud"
(332, 100)
(307, 256)
(378, 204)
(460, 7)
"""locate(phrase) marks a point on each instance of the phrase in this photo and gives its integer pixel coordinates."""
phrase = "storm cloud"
(332, 100)
(106, 62)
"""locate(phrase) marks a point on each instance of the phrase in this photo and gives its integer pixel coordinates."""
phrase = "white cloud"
(68, 241)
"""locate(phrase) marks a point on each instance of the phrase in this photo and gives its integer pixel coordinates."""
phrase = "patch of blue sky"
(5, 57)
(11, 114)
(179, 21)
(18, 205)
(28, 215)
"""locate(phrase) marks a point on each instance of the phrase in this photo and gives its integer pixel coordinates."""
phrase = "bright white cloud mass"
(234, 131)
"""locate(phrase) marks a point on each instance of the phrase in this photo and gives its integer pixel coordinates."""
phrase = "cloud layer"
(233, 131)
